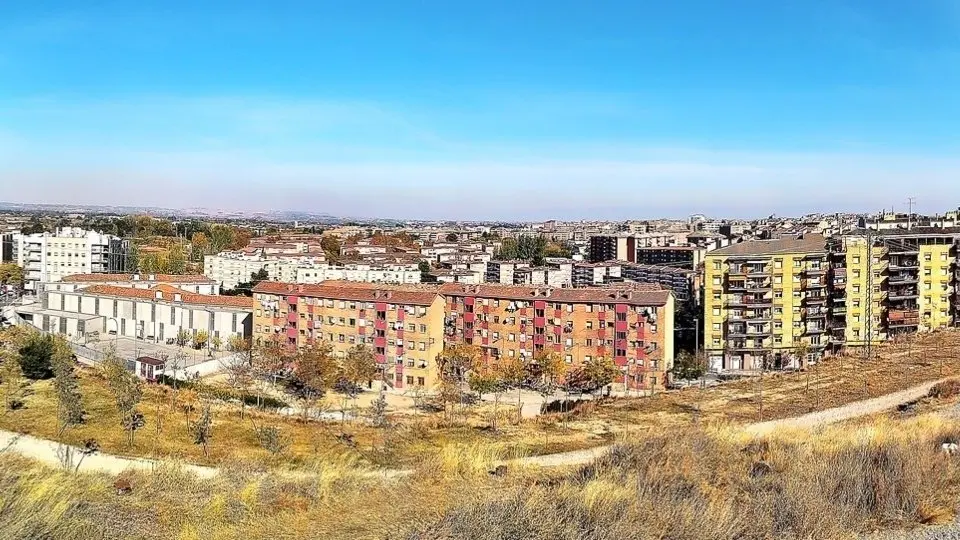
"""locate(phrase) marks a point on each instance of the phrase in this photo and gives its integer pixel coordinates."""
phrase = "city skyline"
(508, 112)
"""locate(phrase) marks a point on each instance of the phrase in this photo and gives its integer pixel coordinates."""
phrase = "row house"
(634, 327)
(157, 314)
(198, 284)
(402, 324)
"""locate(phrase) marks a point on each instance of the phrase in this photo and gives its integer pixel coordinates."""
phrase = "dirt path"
(52, 453)
(807, 421)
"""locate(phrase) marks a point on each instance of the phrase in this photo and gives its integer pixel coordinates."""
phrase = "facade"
(613, 248)
(763, 300)
(593, 274)
(684, 283)
(190, 283)
(502, 271)
(49, 257)
(891, 282)
(157, 314)
(634, 327)
(678, 256)
(402, 324)
(407, 326)
(231, 269)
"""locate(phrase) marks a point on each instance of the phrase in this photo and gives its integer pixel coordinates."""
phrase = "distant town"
(743, 296)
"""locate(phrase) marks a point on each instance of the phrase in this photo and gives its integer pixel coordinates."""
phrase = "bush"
(945, 389)
(226, 394)
(36, 357)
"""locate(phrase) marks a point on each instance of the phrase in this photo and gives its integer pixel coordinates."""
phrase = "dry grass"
(684, 484)
(704, 484)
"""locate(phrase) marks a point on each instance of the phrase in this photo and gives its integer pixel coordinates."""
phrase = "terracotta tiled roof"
(167, 294)
(641, 296)
(117, 278)
(416, 295)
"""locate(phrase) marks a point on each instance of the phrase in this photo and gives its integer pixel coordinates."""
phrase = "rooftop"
(642, 295)
(808, 243)
(418, 295)
(169, 294)
(123, 278)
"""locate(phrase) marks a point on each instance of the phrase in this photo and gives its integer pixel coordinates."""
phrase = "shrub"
(945, 389)
(36, 357)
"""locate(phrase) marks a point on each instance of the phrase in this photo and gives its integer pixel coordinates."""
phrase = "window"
(778, 263)
(856, 259)
(512, 337)
(716, 342)
(716, 327)
(511, 353)
(718, 281)
(421, 381)
(588, 358)
(569, 359)
(717, 265)
(716, 312)
(797, 263)
(589, 325)
(927, 257)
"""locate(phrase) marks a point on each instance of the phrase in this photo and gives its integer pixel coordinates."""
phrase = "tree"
(331, 247)
(268, 359)
(358, 368)
(688, 366)
(69, 402)
(183, 336)
(452, 237)
(11, 274)
(514, 373)
(216, 343)
(457, 362)
(11, 377)
(239, 376)
(200, 339)
(127, 392)
(424, 267)
(590, 377)
(36, 356)
(315, 372)
(200, 245)
(202, 429)
(272, 439)
(489, 381)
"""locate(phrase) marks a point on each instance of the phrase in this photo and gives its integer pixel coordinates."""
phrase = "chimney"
(177, 297)
(158, 295)
(136, 277)
(299, 288)
(152, 277)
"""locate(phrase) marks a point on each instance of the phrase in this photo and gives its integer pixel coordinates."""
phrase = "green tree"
(452, 237)
(489, 381)
(688, 366)
(200, 339)
(331, 247)
(69, 402)
(315, 372)
(11, 274)
(590, 377)
(36, 356)
(11, 377)
(127, 392)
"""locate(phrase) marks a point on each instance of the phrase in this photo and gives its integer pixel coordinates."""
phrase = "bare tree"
(11, 377)
(315, 372)
(239, 377)
(268, 360)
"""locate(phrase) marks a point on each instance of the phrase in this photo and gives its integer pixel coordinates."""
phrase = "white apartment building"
(590, 274)
(157, 314)
(502, 271)
(47, 257)
(231, 269)
(191, 283)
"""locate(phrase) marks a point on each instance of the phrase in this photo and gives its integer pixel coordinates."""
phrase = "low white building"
(194, 283)
(231, 269)
(157, 314)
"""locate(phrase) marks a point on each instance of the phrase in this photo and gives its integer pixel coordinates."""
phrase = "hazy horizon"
(505, 111)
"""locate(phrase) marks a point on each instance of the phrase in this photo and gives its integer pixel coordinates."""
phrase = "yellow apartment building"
(763, 299)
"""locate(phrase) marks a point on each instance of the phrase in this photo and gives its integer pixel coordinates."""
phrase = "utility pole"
(910, 202)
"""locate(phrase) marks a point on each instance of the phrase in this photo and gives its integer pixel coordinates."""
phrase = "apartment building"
(543, 275)
(502, 271)
(632, 326)
(763, 299)
(190, 282)
(403, 324)
(613, 248)
(688, 257)
(893, 281)
(49, 257)
(684, 283)
(231, 269)
(593, 274)
(156, 314)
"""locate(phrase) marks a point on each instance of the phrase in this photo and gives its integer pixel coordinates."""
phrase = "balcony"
(815, 313)
(815, 298)
(815, 329)
(840, 311)
(903, 294)
(814, 284)
(903, 278)
(815, 270)
(903, 318)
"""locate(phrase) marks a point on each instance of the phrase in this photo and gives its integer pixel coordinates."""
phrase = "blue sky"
(516, 110)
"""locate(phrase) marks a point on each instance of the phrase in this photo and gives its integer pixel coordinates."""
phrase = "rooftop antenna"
(910, 202)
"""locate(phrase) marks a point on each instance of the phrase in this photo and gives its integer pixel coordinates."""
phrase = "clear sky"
(496, 109)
